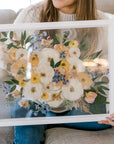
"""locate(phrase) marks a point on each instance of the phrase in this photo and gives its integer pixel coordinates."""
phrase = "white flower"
(45, 72)
(3, 47)
(55, 99)
(52, 87)
(74, 52)
(32, 91)
(73, 91)
(21, 54)
(47, 54)
(76, 64)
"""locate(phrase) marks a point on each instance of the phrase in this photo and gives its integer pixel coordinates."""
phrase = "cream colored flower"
(47, 54)
(55, 99)
(45, 72)
(52, 87)
(32, 91)
(21, 54)
(18, 69)
(3, 47)
(73, 91)
(12, 53)
(85, 79)
(76, 64)
(74, 52)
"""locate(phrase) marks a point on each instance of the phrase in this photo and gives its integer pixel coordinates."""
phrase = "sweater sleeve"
(30, 14)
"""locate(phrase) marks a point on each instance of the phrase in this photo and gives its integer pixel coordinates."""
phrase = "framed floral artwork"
(57, 72)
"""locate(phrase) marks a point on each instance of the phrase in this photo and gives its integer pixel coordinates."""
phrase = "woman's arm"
(108, 120)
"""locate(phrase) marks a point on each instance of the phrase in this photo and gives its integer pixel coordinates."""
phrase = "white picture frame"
(65, 25)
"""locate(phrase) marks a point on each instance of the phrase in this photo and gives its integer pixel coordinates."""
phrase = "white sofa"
(63, 135)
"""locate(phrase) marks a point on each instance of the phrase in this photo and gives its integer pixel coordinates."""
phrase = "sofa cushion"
(71, 136)
(7, 16)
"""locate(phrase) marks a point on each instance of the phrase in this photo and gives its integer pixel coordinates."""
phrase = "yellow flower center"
(22, 83)
(35, 78)
(45, 96)
(33, 89)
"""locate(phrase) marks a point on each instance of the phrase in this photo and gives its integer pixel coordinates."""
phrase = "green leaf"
(105, 88)
(100, 82)
(52, 63)
(67, 43)
(84, 47)
(9, 46)
(15, 81)
(24, 35)
(11, 34)
(4, 34)
(83, 39)
(97, 77)
(29, 38)
(101, 91)
(3, 39)
(95, 55)
(26, 80)
(56, 41)
(9, 82)
(57, 64)
(21, 90)
(13, 88)
(14, 46)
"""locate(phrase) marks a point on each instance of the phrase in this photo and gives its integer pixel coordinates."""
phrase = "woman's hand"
(108, 120)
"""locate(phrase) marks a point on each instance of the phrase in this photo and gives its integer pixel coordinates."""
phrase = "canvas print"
(53, 71)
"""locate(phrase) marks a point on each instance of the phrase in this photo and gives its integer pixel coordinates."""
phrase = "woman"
(64, 10)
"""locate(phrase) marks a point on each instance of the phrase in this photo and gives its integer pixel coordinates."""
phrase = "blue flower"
(44, 33)
(63, 55)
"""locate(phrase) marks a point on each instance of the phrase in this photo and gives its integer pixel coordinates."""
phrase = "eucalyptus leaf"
(57, 64)
(56, 41)
(83, 39)
(29, 38)
(9, 46)
(95, 55)
(24, 35)
(4, 34)
(13, 88)
(15, 81)
(101, 90)
(11, 34)
(99, 83)
(9, 82)
(22, 39)
(67, 43)
(84, 47)
(52, 63)
(3, 39)
(105, 88)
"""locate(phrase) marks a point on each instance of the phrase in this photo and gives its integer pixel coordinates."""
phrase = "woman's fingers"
(110, 121)
(112, 115)
(103, 122)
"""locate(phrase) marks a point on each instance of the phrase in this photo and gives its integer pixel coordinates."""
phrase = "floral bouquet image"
(46, 75)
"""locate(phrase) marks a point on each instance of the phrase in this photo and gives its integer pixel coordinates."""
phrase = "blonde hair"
(85, 10)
